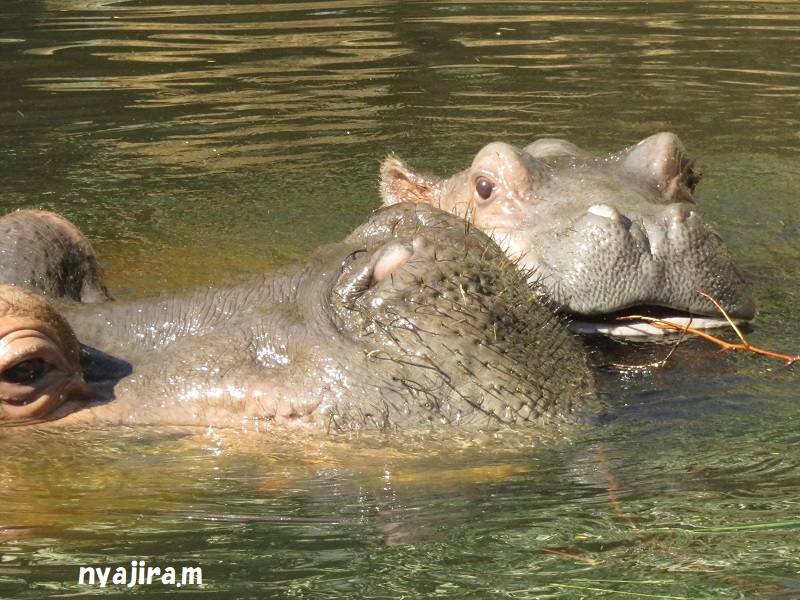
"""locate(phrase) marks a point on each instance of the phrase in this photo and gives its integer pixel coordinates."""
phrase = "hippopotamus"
(414, 320)
(604, 236)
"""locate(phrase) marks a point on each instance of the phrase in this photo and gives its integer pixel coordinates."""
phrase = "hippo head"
(39, 357)
(604, 235)
(444, 311)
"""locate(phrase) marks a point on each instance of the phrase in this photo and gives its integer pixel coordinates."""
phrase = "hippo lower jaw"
(639, 328)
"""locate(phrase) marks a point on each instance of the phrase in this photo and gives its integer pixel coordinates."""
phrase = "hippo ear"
(46, 253)
(391, 259)
(661, 161)
(368, 270)
(400, 183)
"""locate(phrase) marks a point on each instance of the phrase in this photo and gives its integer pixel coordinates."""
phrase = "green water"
(196, 140)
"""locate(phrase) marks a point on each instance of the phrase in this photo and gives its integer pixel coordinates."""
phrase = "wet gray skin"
(604, 235)
(415, 320)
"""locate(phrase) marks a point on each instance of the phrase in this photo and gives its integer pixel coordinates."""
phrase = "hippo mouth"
(624, 323)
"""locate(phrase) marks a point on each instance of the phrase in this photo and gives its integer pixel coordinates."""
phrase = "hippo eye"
(484, 187)
(25, 372)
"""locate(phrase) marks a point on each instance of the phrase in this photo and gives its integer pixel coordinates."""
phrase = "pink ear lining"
(390, 261)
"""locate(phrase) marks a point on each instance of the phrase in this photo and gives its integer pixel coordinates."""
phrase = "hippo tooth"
(677, 214)
(606, 211)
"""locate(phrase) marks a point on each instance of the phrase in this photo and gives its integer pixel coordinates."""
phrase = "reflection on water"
(195, 140)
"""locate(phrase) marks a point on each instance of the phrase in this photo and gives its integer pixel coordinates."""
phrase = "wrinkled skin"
(415, 320)
(602, 234)
(39, 357)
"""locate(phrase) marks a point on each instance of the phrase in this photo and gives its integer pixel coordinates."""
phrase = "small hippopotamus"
(604, 235)
(415, 320)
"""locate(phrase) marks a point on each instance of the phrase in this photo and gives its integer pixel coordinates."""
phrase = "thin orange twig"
(684, 329)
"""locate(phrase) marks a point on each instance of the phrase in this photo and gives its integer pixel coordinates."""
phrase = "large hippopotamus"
(603, 235)
(415, 320)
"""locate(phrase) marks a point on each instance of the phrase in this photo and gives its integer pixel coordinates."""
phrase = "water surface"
(197, 140)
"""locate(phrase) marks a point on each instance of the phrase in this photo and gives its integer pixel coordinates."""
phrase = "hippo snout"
(610, 260)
